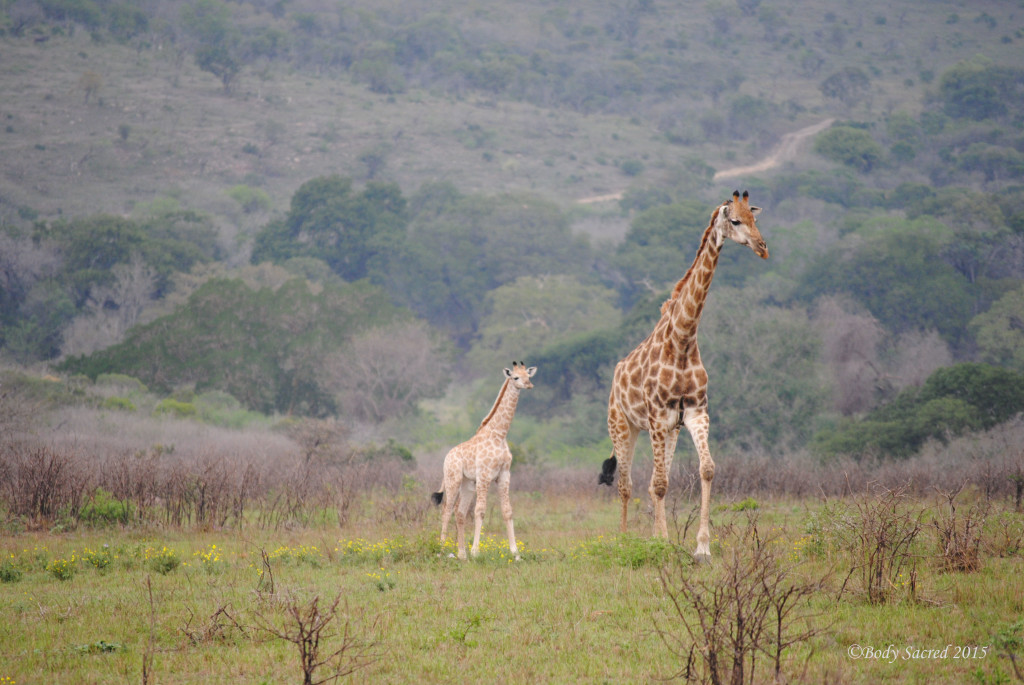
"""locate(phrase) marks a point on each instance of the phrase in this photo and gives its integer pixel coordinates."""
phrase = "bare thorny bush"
(42, 484)
(878, 530)
(205, 488)
(740, 617)
(308, 626)
(959, 530)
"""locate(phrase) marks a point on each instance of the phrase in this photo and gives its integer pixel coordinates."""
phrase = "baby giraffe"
(483, 459)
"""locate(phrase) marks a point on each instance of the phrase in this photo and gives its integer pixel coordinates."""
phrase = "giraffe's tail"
(436, 497)
(608, 468)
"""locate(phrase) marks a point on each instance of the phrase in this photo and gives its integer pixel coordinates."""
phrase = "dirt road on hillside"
(785, 151)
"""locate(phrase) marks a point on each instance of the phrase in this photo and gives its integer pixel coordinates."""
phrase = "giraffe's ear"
(755, 210)
(508, 373)
(530, 371)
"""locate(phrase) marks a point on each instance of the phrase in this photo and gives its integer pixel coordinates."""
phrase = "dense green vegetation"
(896, 242)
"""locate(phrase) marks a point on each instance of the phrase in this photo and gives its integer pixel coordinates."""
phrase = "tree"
(954, 400)
(126, 22)
(848, 85)
(356, 234)
(895, 269)
(462, 247)
(993, 161)
(91, 247)
(1000, 331)
(538, 311)
(264, 346)
(385, 371)
(850, 351)
(978, 224)
(750, 117)
(850, 146)
(38, 330)
(110, 311)
(979, 89)
(209, 23)
(766, 388)
(219, 61)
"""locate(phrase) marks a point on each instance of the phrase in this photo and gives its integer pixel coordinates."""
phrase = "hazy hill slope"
(185, 138)
(100, 126)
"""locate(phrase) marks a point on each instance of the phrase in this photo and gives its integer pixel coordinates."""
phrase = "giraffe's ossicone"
(471, 467)
(661, 386)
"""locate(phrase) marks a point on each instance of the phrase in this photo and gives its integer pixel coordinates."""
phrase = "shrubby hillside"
(349, 211)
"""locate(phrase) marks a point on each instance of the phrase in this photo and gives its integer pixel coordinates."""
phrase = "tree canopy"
(265, 347)
(355, 233)
(954, 400)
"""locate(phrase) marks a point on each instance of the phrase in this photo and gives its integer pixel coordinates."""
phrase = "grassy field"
(584, 604)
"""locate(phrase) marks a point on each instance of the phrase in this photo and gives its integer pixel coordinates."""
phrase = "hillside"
(302, 206)
(186, 139)
(93, 124)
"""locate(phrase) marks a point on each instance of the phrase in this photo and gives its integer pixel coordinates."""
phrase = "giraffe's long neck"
(688, 297)
(499, 419)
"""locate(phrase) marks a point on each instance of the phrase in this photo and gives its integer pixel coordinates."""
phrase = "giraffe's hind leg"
(449, 494)
(466, 497)
(623, 437)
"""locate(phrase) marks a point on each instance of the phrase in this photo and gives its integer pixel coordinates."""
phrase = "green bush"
(62, 569)
(118, 404)
(175, 408)
(104, 509)
(9, 571)
(163, 561)
(748, 504)
(250, 199)
(632, 167)
(850, 146)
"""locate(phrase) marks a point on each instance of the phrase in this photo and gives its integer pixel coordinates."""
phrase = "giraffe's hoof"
(702, 558)
(450, 555)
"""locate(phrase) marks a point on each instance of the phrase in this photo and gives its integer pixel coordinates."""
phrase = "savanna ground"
(818, 581)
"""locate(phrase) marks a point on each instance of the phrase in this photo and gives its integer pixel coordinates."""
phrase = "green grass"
(585, 604)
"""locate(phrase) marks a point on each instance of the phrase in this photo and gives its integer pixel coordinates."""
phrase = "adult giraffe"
(661, 385)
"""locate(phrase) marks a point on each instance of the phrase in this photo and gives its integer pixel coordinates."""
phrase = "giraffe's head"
(520, 376)
(737, 223)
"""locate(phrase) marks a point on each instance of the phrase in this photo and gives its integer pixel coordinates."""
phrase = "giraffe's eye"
(735, 222)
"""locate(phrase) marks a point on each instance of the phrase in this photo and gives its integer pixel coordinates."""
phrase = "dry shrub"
(879, 531)
(958, 531)
(42, 483)
(306, 626)
(203, 492)
(220, 627)
(1005, 534)
(750, 604)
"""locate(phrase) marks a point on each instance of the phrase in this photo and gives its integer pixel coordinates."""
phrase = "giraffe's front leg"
(697, 422)
(483, 483)
(663, 443)
(506, 510)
